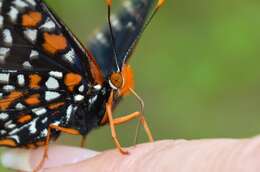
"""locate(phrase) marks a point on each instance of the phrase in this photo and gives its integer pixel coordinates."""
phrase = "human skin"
(205, 155)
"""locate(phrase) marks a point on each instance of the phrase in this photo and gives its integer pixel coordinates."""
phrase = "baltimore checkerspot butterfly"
(50, 83)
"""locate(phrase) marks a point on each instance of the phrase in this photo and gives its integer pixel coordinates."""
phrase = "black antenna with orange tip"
(109, 4)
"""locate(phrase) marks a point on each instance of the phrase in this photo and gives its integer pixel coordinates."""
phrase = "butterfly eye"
(116, 81)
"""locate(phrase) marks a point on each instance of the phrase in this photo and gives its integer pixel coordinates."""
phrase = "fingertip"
(27, 160)
(17, 159)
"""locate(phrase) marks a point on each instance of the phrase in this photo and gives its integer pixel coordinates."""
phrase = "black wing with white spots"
(33, 37)
(126, 25)
(32, 100)
(43, 72)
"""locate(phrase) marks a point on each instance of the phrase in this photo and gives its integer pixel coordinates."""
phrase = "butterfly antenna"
(141, 101)
(109, 4)
(156, 9)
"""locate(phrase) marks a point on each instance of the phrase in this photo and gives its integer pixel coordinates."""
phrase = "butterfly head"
(122, 81)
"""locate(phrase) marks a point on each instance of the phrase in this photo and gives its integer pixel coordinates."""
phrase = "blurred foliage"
(196, 67)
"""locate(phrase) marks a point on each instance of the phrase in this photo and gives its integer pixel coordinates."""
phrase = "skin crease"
(205, 155)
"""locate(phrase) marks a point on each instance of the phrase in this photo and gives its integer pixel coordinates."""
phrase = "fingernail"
(27, 160)
(17, 159)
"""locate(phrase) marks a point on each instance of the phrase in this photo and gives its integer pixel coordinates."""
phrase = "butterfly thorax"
(91, 109)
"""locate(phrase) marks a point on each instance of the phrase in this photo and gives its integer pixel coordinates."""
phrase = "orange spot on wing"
(71, 80)
(53, 42)
(6, 102)
(56, 105)
(128, 76)
(34, 81)
(8, 142)
(31, 19)
(33, 99)
(24, 119)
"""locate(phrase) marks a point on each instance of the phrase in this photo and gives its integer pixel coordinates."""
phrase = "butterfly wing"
(126, 25)
(32, 100)
(41, 64)
(33, 37)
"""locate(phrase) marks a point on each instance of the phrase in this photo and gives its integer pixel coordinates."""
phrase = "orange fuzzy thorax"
(128, 76)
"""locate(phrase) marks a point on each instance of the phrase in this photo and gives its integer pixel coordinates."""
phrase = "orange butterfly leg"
(46, 145)
(124, 119)
(83, 141)
(127, 118)
(45, 153)
(113, 130)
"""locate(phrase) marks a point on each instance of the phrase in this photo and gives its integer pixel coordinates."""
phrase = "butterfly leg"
(83, 141)
(121, 120)
(65, 130)
(45, 153)
(127, 118)
(46, 145)
(113, 130)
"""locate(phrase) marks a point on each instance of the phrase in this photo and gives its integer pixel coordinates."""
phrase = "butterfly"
(50, 83)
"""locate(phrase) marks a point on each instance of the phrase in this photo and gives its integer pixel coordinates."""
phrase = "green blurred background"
(196, 67)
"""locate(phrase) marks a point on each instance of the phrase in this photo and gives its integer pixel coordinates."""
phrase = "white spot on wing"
(2, 132)
(51, 95)
(7, 37)
(32, 127)
(56, 123)
(4, 116)
(49, 25)
(31, 2)
(78, 98)
(101, 38)
(1, 5)
(31, 34)
(44, 120)
(15, 137)
(81, 88)
(20, 4)
(4, 78)
(129, 6)
(19, 106)
(115, 22)
(93, 99)
(70, 56)
(8, 88)
(9, 124)
(1, 21)
(56, 74)
(97, 87)
(27, 65)
(4, 52)
(34, 54)
(21, 80)
(69, 112)
(44, 133)
(13, 14)
(130, 26)
(39, 111)
(52, 83)
(16, 130)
